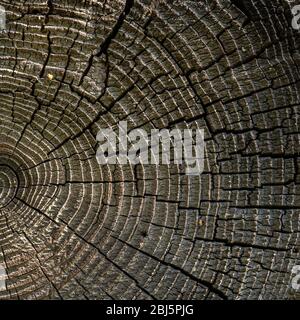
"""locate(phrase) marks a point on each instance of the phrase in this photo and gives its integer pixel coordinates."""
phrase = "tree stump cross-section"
(73, 229)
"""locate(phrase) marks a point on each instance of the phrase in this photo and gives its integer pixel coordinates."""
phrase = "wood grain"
(71, 229)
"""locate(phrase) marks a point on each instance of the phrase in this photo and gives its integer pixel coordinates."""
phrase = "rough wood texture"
(70, 228)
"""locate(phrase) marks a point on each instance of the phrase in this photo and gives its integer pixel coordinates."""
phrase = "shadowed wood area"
(73, 229)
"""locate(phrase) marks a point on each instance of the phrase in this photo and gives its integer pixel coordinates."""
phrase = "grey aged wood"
(71, 229)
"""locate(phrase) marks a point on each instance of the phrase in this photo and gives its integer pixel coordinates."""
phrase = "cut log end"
(73, 229)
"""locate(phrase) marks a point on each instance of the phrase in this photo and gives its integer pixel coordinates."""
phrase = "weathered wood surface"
(70, 228)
